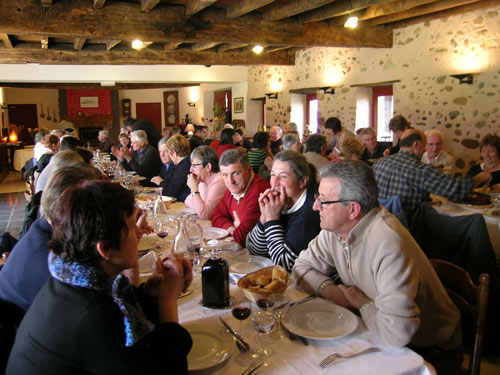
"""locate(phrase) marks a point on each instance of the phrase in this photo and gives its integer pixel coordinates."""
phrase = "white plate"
(210, 348)
(180, 211)
(244, 267)
(212, 233)
(148, 241)
(224, 245)
(320, 321)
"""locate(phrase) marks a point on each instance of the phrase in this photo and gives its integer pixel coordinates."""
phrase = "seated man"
(276, 142)
(384, 273)
(434, 155)
(335, 135)
(105, 143)
(404, 175)
(199, 136)
(316, 150)
(238, 210)
(144, 159)
(373, 149)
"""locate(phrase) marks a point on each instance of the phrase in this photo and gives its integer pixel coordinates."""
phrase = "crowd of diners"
(310, 205)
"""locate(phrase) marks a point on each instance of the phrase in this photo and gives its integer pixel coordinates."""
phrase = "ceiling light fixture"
(351, 23)
(139, 44)
(258, 49)
(190, 104)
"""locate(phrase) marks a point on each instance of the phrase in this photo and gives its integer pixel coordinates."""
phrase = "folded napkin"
(147, 262)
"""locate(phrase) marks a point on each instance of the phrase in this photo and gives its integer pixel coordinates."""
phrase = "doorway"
(149, 111)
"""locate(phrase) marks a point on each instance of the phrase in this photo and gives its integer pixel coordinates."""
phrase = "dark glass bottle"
(215, 282)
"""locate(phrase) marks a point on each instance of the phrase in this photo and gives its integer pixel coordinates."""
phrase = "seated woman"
(206, 184)
(287, 222)
(351, 149)
(260, 153)
(490, 152)
(124, 141)
(88, 319)
(174, 183)
(227, 140)
(52, 145)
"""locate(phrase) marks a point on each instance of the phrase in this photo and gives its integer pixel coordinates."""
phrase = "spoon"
(42, 115)
(48, 114)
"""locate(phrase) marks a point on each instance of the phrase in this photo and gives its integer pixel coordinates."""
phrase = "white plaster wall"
(422, 58)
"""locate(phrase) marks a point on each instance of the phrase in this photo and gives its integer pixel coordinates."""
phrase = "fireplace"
(89, 135)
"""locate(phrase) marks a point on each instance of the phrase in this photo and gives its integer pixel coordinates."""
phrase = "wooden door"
(23, 115)
(149, 111)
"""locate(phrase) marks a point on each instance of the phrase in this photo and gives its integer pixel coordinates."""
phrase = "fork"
(252, 368)
(335, 356)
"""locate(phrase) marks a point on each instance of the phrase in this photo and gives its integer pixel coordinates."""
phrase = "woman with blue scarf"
(88, 319)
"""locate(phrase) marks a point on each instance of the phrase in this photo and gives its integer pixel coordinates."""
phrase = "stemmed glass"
(263, 321)
(241, 310)
(281, 307)
(162, 227)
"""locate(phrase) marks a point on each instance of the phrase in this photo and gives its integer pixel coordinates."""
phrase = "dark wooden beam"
(146, 56)
(112, 44)
(230, 46)
(203, 46)
(46, 3)
(338, 8)
(147, 5)
(78, 43)
(6, 40)
(168, 23)
(194, 6)
(292, 8)
(171, 45)
(99, 3)
(241, 7)
(44, 41)
(95, 86)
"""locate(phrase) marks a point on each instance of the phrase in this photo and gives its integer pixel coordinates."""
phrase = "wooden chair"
(472, 302)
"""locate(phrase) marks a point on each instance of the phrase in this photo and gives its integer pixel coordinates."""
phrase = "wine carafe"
(215, 281)
(182, 242)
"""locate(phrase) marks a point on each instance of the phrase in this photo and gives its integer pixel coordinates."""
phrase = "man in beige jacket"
(383, 272)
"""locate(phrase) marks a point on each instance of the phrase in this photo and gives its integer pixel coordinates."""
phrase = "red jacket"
(247, 209)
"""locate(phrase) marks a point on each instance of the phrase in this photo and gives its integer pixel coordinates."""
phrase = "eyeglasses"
(323, 203)
(195, 164)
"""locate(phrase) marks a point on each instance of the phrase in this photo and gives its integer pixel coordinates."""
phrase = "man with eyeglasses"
(383, 273)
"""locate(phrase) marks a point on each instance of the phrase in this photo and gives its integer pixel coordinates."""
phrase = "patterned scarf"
(76, 274)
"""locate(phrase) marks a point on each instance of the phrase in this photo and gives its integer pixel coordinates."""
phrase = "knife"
(293, 336)
(308, 298)
(233, 332)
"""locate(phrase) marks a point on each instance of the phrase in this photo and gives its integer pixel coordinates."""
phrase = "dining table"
(21, 156)
(296, 351)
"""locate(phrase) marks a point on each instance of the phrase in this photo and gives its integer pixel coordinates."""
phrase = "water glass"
(263, 322)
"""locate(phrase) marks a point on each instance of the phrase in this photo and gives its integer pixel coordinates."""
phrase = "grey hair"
(61, 179)
(434, 131)
(206, 154)
(292, 126)
(163, 141)
(300, 166)
(140, 135)
(39, 136)
(357, 182)
(232, 156)
(104, 133)
(65, 158)
(289, 140)
(366, 131)
(277, 127)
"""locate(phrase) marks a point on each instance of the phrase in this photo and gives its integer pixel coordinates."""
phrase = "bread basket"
(253, 291)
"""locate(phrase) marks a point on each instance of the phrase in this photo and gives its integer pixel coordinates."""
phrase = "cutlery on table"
(308, 298)
(293, 336)
(336, 356)
(239, 339)
(252, 368)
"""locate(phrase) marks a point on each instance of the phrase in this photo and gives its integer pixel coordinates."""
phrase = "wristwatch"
(194, 193)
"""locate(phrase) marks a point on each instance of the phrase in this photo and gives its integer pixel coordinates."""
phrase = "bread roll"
(274, 285)
(279, 274)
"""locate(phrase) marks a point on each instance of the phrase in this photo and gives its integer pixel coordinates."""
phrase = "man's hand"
(481, 178)
(157, 180)
(127, 153)
(117, 153)
(236, 221)
(354, 296)
(142, 224)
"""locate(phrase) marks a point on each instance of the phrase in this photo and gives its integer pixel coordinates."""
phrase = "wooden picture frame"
(89, 102)
(238, 105)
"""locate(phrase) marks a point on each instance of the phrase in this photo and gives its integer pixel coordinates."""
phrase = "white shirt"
(444, 161)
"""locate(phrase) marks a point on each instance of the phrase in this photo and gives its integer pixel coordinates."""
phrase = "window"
(312, 106)
(382, 110)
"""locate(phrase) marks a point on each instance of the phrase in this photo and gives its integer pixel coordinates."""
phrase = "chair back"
(472, 301)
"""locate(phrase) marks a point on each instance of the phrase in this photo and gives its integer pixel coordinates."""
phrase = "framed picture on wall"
(89, 102)
(238, 105)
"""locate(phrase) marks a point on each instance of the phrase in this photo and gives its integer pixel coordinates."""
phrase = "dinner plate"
(224, 245)
(244, 267)
(181, 211)
(212, 233)
(210, 348)
(320, 321)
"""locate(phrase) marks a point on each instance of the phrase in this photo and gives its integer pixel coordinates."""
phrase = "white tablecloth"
(21, 157)
(492, 222)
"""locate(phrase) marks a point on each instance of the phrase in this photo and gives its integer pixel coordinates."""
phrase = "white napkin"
(146, 263)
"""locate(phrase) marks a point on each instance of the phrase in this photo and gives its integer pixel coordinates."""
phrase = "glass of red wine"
(162, 226)
(241, 310)
(265, 301)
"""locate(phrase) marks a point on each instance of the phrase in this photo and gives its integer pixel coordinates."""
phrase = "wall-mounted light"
(257, 49)
(191, 104)
(328, 90)
(351, 23)
(272, 95)
(139, 44)
(467, 78)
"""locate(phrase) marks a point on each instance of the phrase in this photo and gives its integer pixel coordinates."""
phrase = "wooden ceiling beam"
(46, 3)
(241, 7)
(98, 4)
(292, 8)
(78, 43)
(95, 86)
(274, 49)
(415, 11)
(6, 40)
(169, 24)
(44, 41)
(171, 45)
(112, 44)
(144, 57)
(195, 6)
(203, 46)
(230, 46)
(147, 5)
(339, 8)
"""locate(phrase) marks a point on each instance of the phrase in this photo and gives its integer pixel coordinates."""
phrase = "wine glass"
(241, 310)
(162, 226)
(263, 321)
(265, 301)
(281, 307)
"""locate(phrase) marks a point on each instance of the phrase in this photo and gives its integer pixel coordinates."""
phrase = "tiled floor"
(12, 204)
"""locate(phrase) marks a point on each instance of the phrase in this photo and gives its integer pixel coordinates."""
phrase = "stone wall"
(420, 64)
